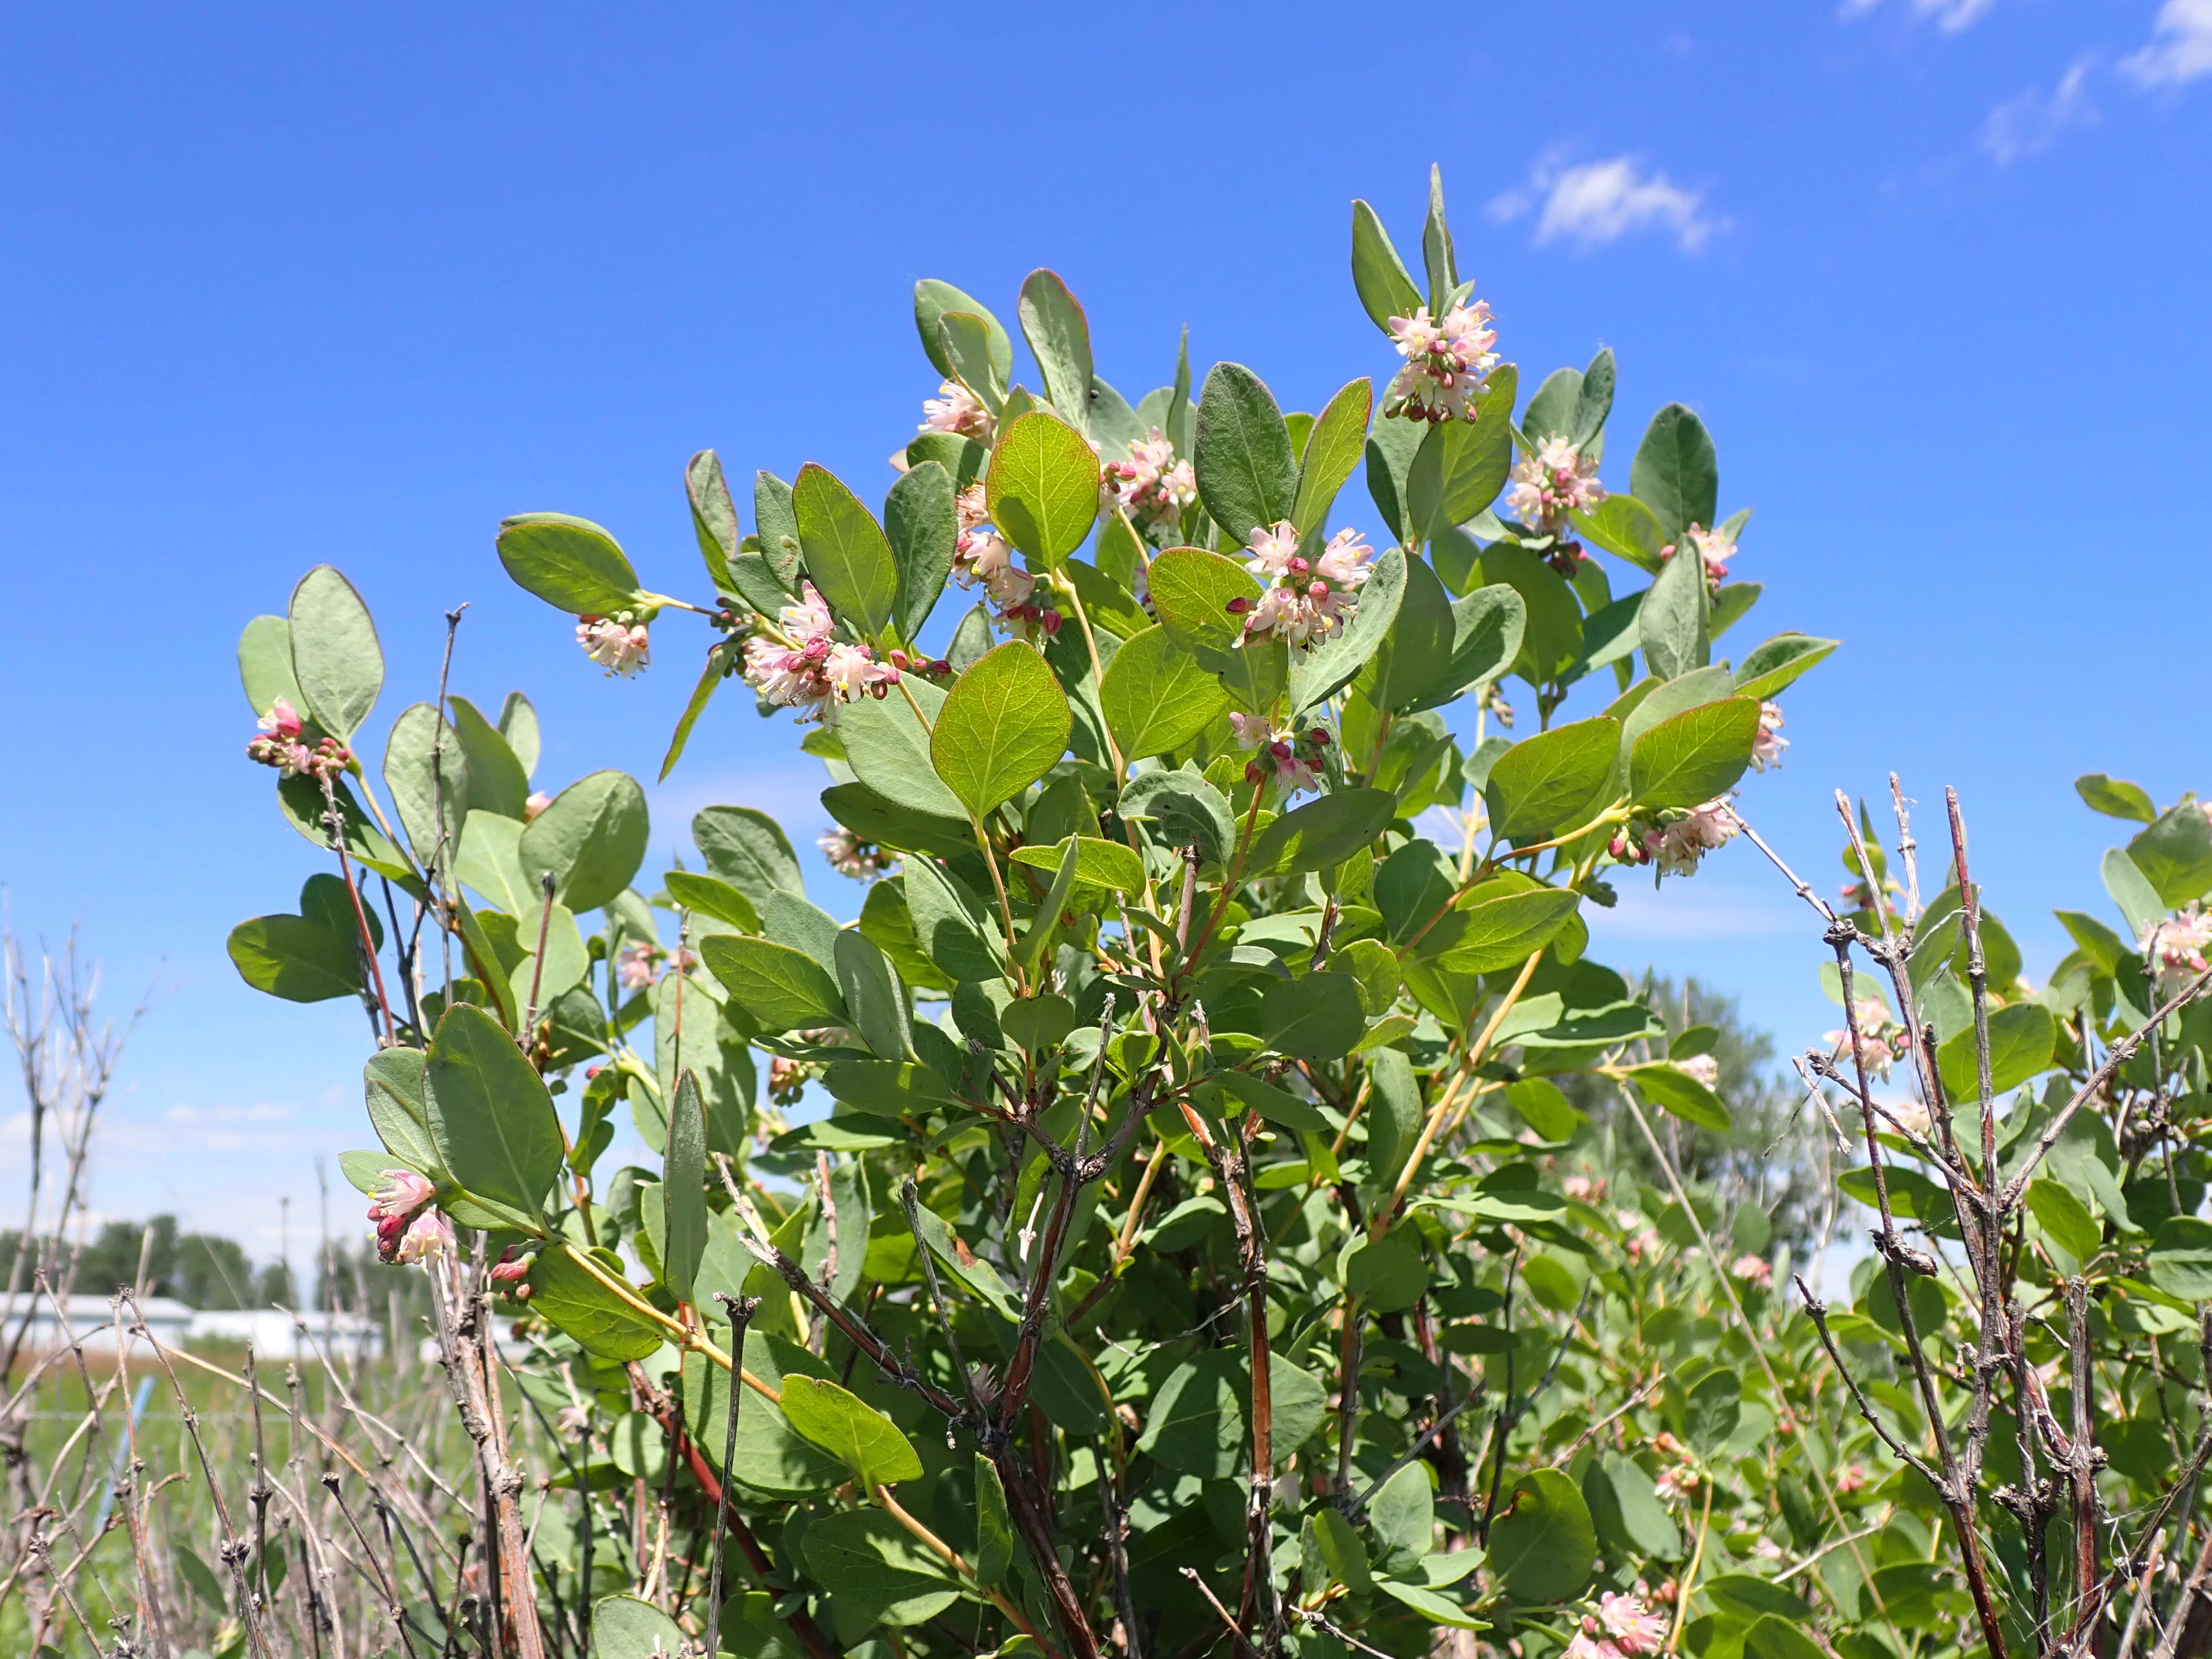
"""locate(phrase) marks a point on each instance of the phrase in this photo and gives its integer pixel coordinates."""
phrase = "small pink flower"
(634, 969)
(622, 648)
(403, 1193)
(1345, 562)
(2177, 948)
(1251, 730)
(1152, 486)
(786, 1079)
(1556, 481)
(1272, 547)
(1877, 1049)
(1715, 549)
(849, 855)
(1584, 1189)
(1291, 758)
(1752, 1270)
(1768, 743)
(972, 505)
(283, 720)
(538, 801)
(1851, 1478)
(959, 410)
(1706, 1068)
(1634, 1627)
(511, 1268)
(1680, 845)
(1586, 1645)
(429, 1236)
(853, 673)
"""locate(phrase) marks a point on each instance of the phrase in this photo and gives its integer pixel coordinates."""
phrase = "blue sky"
(349, 284)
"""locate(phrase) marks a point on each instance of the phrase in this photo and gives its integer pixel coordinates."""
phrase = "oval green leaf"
(1042, 487)
(1003, 727)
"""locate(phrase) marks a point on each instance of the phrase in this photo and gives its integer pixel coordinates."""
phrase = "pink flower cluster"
(1556, 480)
(787, 1080)
(1152, 486)
(620, 647)
(983, 555)
(1306, 600)
(1768, 743)
(409, 1228)
(1291, 758)
(2177, 949)
(635, 965)
(1715, 549)
(283, 746)
(1678, 841)
(1752, 1270)
(1882, 1041)
(849, 855)
(805, 666)
(1447, 363)
(1623, 1627)
(959, 411)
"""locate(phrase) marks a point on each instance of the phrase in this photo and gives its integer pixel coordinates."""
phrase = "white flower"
(1447, 363)
(1706, 1068)
(1556, 480)
(959, 410)
(1768, 743)
(2176, 949)
(1683, 844)
(621, 648)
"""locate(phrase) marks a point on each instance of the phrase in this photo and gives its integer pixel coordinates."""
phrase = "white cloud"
(1949, 16)
(2031, 123)
(2180, 49)
(1600, 202)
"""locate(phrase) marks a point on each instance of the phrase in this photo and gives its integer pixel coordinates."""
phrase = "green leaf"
(1248, 474)
(2065, 1218)
(264, 665)
(1059, 337)
(1377, 273)
(1594, 400)
(872, 994)
(950, 925)
(1322, 832)
(1543, 1543)
(847, 553)
(1315, 1018)
(497, 782)
(569, 562)
(2175, 853)
(1332, 451)
(1462, 464)
(2021, 1039)
(871, 817)
(1626, 528)
(964, 340)
(1004, 726)
(1413, 661)
(781, 988)
(1435, 1608)
(2115, 798)
(747, 848)
(1319, 674)
(932, 300)
(2132, 891)
(489, 1115)
(1682, 1095)
(1386, 1274)
(887, 745)
(300, 801)
(1106, 865)
(1502, 923)
(1773, 666)
(2181, 1257)
(1671, 623)
(1391, 446)
(399, 1106)
(1675, 472)
(1554, 781)
(1625, 1509)
(336, 661)
(1691, 758)
(425, 767)
(592, 839)
(876, 1570)
(1043, 487)
(1191, 589)
(1278, 1106)
(1402, 1517)
(994, 1528)
(683, 1197)
(623, 1627)
(1436, 248)
(713, 517)
(296, 958)
(1552, 630)
(1773, 1638)
(1156, 697)
(1544, 1107)
(562, 1292)
(852, 1431)
(1188, 809)
(710, 896)
(888, 1088)
(772, 1457)
(1488, 626)
(1106, 602)
(518, 723)
(1195, 1425)
(1743, 1598)
(777, 519)
(921, 525)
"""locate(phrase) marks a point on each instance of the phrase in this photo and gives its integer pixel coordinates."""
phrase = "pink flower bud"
(283, 720)
(1238, 606)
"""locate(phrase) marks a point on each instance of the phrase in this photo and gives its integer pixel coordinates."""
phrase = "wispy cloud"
(1949, 16)
(2032, 123)
(2180, 49)
(1595, 203)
